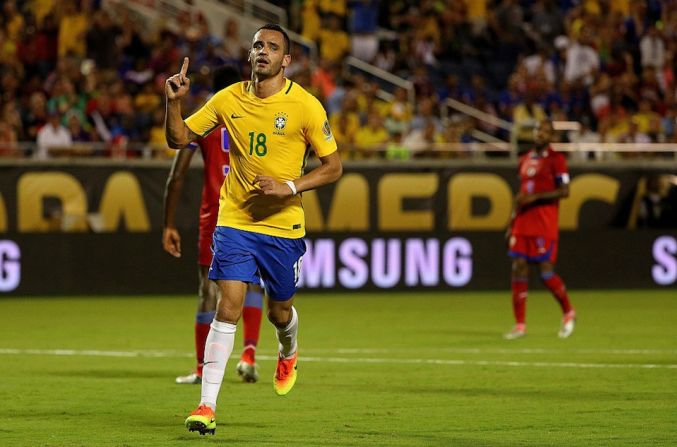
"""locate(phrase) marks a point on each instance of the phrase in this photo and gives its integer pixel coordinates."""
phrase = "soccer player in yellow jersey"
(272, 122)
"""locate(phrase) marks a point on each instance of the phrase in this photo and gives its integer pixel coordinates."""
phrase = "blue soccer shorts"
(251, 257)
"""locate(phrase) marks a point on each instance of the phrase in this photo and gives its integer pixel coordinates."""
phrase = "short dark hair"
(224, 76)
(279, 29)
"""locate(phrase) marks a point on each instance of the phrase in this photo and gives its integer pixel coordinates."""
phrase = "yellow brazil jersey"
(269, 136)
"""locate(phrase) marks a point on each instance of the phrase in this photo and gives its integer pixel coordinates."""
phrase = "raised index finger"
(184, 67)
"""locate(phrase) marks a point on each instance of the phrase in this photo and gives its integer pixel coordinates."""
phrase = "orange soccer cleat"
(202, 420)
(285, 375)
(568, 324)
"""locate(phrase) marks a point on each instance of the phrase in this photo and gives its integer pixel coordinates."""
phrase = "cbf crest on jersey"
(280, 123)
(326, 130)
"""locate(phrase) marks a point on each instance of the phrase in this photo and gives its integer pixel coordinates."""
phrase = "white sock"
(218, 347)
(287, 335)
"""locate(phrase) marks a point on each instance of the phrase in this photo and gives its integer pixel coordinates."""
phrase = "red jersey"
(215, 153)
(540, 173)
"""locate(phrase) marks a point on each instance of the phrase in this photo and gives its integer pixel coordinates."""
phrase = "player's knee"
(279, 316)
(520, 267)
(208, 294)
(228, 314)
(547, 271)
(546, 275)
(274, 317)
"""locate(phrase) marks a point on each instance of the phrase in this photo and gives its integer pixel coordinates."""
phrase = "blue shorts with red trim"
(250, 257)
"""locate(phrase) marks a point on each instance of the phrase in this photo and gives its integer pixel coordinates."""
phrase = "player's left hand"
(523, 199)
(271, 187)
(171, 241)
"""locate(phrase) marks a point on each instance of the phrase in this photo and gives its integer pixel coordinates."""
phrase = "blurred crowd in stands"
(73, 73)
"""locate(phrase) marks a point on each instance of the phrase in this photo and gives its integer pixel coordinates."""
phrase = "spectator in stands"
(345, 129)
(333, 41)
(78, 133)
(52, 137)
(73, 27)
(546, 20)
(9, 146)
(371, 139)
(655, 208)
(36, 115)
(337, 8)
(12, 21)
(483, 104)
(368, 102)
(634, 136)
(652, 49)
(65, 98)
(311, 24)
(396, 149)
(133, 42)
(511, 96)
(8, 48)
(538, 68)
(400, 112)
(649, 86)
(425, 114)
(165, 54)
(157, 138)
(506, 22)
(324, 80)
(422, 84)
(647, 121)
(476, 14)
(669, 123)
(232, 44)
(386, 58)
(101, 41)
(422, 140)
(12, 117)
(582, 60)
(363, 29)
(526, 117)
(451, 88)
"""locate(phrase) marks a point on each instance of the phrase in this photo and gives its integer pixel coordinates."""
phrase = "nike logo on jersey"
(234, 116)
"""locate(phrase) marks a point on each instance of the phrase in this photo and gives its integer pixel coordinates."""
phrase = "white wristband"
(292, 186)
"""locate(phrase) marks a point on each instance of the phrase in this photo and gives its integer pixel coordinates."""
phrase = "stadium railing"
(259, 10)
(475, 151)
(382, 77)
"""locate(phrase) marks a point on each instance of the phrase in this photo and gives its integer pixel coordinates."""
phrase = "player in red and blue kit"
(534, 232)
(215, 152)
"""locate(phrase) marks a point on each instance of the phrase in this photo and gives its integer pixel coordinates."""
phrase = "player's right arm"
(171, 238)
(177, 133)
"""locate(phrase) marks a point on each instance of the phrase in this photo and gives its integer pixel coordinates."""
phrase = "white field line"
(499, 351)
(408, 361)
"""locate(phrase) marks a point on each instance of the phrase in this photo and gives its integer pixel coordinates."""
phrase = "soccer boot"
(190, 379)
(202, 420)
(246, 367)
(285, 375)
(568, 324)
(519, 331)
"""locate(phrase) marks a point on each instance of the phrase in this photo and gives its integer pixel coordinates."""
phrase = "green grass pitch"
(394, 369)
